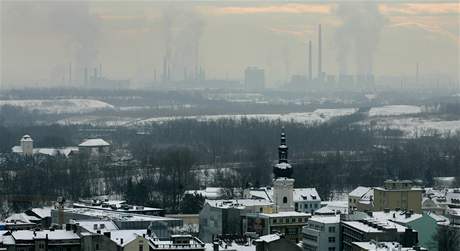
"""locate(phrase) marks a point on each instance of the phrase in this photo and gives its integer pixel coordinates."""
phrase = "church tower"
(283, 183)
(27, 145)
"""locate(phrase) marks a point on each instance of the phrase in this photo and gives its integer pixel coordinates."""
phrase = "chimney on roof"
(121, 241)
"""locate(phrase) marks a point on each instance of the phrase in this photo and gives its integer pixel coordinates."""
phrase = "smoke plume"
(70, 22)
(182, 32)
(357, 38)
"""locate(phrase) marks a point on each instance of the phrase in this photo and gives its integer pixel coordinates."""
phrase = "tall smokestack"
(100, 70)
(310, 66)
(86, 75)
(320, 70)
(95, 73)
(417, 73)
(70, 73)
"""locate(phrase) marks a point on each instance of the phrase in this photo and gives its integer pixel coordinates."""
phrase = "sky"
(41, 40)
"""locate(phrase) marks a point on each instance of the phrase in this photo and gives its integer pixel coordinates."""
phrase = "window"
(310, 237)
(331, 229)
(141, 247)
(331, 239)
(284, 199)
(331, 249)
(261, 210)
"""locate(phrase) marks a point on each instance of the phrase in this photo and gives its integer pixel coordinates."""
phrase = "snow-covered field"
(59, 106)
(413, 127)
(95, 120)
(317, 117)
(394, 110)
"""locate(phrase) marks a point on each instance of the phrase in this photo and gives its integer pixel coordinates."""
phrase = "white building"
(27, 145)
(306, 200)
(94, 147)
(322, 233)
(26, 148)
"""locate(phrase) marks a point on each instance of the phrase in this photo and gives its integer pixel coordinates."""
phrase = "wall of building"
(398, 199)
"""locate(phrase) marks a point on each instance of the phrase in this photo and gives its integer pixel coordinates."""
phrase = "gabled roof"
(306, 194)
(127, 236)
(359, 191)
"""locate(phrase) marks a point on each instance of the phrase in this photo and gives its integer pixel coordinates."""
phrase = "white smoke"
(69, 21)
(357, 38)
(182, 32)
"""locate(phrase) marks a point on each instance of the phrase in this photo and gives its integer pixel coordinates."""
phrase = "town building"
(361, 199)
(220, 217)
(25, 240)
(306, 200)
(118, 206)
(289, 224)
(26, 148)
(275, 242)
(399, 194)
(376, 229)
(122, 220)
(211, 193)
(94, 147)
(322, 233)
(425, 224)
(383, 246)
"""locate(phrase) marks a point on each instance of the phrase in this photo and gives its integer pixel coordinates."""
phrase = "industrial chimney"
(320, 70)
(310, 67)
(86, 75)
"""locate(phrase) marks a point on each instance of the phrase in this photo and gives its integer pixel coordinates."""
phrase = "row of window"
(289, 220)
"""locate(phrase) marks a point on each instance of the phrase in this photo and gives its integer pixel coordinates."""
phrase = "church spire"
(283, 169)
(283, 149)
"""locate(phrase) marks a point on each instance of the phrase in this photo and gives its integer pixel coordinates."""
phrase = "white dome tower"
(27, 145)
(283, 184)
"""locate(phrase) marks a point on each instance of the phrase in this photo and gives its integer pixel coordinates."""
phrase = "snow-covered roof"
(286, 214)
(336, 206)
(264, 193)
(94, 143)
(396, 216)
(327, 219)
(127, 236)
(306, 194)
(52, 235)
(208, 193)
(230, 247)
(243, 203)
(359, 191)
(268, 238)
(95, 225)
(42, 212)
(48, 151)
(381, 246)
(442, 220)
(283, 166)
(22, 218)
(26, 138)
(299, 194)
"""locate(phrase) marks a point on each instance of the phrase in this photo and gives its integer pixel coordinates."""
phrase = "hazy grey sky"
(39, 39)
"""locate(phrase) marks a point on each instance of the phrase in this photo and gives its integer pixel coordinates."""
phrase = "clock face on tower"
(283, 169)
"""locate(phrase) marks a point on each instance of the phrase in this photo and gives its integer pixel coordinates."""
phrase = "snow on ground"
(95, 120)
(316, 117)
(413, 127)
(57, 106)
(394, 110)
